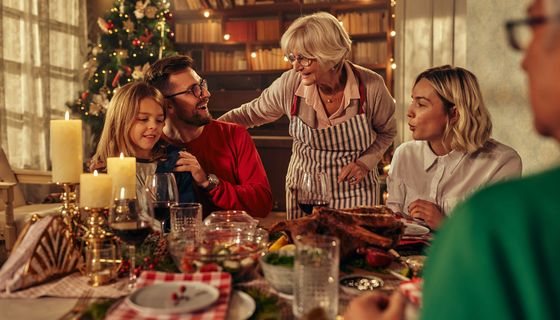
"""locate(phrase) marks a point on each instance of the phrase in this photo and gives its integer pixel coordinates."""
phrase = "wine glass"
(163, 193)
(131, 221)
(314, 191)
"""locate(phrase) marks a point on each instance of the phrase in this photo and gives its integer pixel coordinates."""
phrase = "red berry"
(209, 267)
(182, 289)
(174, 296)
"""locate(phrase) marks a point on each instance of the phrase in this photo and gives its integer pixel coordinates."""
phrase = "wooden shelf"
(273, 9)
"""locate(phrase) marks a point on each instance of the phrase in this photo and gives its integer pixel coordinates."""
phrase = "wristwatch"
(213, 182)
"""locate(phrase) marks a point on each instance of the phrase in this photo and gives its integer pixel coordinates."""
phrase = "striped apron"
(329, 150)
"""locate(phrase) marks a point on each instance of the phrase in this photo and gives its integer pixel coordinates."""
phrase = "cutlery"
(80, 306)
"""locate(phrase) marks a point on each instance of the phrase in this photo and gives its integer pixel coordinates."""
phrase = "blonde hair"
(458, 87)
(319, 36)
(121, 113)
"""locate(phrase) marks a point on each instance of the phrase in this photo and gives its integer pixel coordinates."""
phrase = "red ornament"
(147, 36)
(136, 42)
(85, 94)
(110, 25)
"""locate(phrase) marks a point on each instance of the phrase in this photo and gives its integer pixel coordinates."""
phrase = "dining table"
(54, 299)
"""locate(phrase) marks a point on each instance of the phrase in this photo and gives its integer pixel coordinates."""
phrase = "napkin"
(412, 290)
(218, 311)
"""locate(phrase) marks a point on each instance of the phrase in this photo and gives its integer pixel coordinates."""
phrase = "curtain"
(42, 47)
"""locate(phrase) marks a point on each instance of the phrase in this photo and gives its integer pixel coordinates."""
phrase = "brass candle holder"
(70, 211)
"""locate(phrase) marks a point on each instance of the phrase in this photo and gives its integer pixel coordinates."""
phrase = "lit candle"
(66, 149)
(95, 190)
(123, 172)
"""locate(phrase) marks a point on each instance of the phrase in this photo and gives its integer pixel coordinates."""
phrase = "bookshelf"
(235, 45)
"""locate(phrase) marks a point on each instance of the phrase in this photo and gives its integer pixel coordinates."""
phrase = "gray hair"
(319, 36)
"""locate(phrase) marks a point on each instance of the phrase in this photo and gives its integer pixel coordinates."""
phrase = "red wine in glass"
(131, 232)
(307, 206)
(161, 213)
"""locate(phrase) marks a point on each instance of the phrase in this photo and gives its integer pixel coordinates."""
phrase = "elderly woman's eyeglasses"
(520, 31)
(196, 90)
(303, 61)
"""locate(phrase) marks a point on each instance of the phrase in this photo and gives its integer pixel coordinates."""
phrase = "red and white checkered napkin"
(412, 290)
(218, 311)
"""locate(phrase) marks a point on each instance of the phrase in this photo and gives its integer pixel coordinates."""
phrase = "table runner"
(218, 311)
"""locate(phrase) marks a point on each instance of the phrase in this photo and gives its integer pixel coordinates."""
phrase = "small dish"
(158, 298)
(413, 229)
(357, 284)
(241, 306)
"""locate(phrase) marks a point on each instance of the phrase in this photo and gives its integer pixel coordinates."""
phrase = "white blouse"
(417, 173)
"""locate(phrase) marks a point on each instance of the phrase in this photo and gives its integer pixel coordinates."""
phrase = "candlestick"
(69, 210)
(66, 149)
(123, 172)
(95, 190)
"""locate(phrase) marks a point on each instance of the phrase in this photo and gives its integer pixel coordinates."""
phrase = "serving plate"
(241, 306)
(157, 298)
(413, 229)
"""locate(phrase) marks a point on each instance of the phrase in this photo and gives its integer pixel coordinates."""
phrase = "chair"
(14, 211)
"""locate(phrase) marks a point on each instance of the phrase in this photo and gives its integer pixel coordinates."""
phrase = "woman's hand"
(353, 172)
(427, 211)
(376, 306)
(188, 163)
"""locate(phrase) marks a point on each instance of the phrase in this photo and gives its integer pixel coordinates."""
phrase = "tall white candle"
(66, 150)
(123, 172)
(95, 190)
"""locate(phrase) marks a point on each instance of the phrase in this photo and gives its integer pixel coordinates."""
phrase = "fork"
(80, 305)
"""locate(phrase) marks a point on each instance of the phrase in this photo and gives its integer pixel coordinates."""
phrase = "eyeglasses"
(520, 31)
(196, 90)
(303, 61)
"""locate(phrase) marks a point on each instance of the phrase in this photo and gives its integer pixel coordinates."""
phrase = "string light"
(253, 55)
(226, 36)
(206, 13)
(393, 66)
(393, 33)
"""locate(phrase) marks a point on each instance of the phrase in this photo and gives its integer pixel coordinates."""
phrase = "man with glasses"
(498, 256)
(221, 157)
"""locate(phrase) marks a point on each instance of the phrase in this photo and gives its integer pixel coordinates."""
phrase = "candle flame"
(121, 156)
(122, 192)
(67, 115)
(95, 174)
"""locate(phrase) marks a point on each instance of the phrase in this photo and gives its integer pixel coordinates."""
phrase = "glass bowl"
(233, 251)
(237, 220)
(280, 277)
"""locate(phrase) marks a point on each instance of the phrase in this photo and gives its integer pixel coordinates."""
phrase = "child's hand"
(188, 163)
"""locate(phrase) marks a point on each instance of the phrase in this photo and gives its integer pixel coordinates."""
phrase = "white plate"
(241, 306)
(413, 229)
(157, 298)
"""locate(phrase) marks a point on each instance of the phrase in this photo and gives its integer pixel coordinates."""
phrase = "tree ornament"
(136, 42)
(151, 12)
(128, 25)
(103, 25)
(90, 67)
(147, 36)
(96, 50)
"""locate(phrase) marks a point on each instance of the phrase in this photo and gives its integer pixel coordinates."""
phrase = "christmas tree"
(134, 35)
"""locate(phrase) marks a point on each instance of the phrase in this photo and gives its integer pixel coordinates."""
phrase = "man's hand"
(353, 172)
(188, 162)
(376, 306)
(427, 211)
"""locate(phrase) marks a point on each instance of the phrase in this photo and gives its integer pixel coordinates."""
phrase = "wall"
(471, 34)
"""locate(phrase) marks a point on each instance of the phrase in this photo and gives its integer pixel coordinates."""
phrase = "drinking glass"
(186, 220)
(102, 263)
(131, 221)
(314, 191)
(316, 275)
(163, 193)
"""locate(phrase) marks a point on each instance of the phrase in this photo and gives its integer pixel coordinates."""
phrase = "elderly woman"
(341, 114)
(452, 154)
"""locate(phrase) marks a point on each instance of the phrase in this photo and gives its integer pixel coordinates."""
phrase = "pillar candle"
(123, 172)
(66, 150)
(95, 190)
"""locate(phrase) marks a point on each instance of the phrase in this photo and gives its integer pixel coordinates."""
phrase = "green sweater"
(498, 256)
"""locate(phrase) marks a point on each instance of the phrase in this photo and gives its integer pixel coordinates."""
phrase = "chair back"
(7, 175)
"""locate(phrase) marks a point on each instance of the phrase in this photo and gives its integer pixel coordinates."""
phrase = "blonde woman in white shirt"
(452, 154)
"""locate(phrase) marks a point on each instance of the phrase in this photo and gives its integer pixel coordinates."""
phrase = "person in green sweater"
(498, 256)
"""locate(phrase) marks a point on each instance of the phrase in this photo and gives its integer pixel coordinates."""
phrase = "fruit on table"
(376, 257)
(279, 243)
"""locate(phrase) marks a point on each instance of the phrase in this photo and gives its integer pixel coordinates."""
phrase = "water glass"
(186, 219)
(316, 275)
(102, 263)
